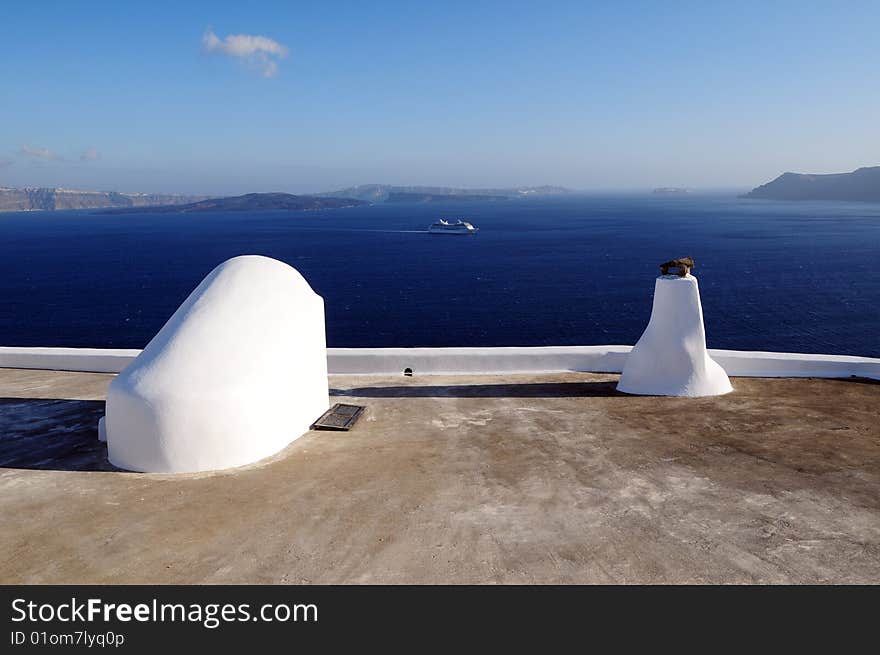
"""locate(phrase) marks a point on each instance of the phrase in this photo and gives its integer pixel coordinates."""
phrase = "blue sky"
(617, 95)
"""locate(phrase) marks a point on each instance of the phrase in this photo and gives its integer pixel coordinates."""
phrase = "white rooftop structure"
(237, 373)
(670, 359)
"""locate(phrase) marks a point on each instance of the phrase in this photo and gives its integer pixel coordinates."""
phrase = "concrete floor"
(463, 479)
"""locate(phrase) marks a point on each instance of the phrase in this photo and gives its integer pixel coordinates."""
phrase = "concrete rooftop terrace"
(538, 478)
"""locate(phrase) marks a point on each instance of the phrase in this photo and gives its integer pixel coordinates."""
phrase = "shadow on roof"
(52, 435)
(512, 390)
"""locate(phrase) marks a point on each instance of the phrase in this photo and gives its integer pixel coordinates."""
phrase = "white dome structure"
(671, 358)
(237, 373)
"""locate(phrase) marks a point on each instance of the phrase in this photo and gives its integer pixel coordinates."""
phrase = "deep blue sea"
(577, 270)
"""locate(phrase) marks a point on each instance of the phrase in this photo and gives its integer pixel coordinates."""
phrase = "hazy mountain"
(401, 196)
(247, 202)
(671, 191)
(381, 192)
(862, 184)
(48, 199)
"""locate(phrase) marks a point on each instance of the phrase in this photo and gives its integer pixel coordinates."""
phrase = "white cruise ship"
(445, 227)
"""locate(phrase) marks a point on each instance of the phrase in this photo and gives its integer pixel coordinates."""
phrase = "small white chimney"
(671, 358)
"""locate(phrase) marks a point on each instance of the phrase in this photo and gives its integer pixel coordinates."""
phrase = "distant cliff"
(384, 192)
(862, 185)
(247, 202)
(48, 199)
(399, 196)
(671, 191)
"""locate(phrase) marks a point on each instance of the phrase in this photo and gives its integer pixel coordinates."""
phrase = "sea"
(566, 270)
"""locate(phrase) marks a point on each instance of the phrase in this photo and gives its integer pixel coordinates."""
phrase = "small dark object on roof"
(339, 417)
(682, 266)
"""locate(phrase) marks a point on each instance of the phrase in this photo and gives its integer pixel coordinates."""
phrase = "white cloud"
(91, 154)
(37, 153)
(259, 51)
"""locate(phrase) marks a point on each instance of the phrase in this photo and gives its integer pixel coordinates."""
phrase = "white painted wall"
(91, 360)
(379, 361)
(237, 373)
(384, 361)
(670, 358)
(742, 363)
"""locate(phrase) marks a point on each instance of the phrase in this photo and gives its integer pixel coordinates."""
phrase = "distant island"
(51, 199)
(247, 202)
(400, 196)
(390, 193)
(671, 191)
(862, 184)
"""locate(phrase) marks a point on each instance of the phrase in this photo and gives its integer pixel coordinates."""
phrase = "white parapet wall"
(423, 361)
(757, 364)
(88, 360)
